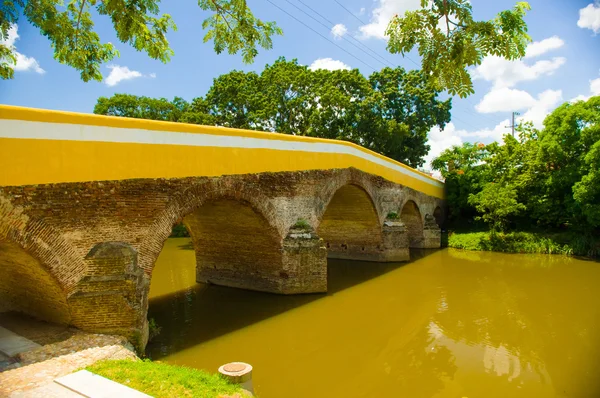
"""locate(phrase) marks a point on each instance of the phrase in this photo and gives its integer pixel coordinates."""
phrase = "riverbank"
(59, 350)
(566, 243)
(162, 380)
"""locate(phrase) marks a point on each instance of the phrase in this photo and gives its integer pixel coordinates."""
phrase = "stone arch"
(350, 225)
(235, 245)
(58, 257)
(411, 216)
(28, 286)
(336, 182)
(235, 233)
(184, 203)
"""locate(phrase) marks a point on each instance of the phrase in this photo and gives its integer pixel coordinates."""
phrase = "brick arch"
(411, 216)
(327, 193)
(187, 202)
(350, 223)
(27, 285)
(64, 262)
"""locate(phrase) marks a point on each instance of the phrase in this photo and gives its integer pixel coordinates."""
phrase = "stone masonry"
(88, 249)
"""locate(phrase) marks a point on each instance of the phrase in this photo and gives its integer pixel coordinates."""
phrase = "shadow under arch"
(28, 286)
(193, 198)
(411, 216)
(235, 235)
(235, 245)
(350, 225)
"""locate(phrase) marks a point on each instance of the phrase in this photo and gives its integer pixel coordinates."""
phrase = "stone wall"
(99, 240)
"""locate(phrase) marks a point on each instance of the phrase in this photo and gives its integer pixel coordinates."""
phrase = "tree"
(401, 110)
(568, 154)
(449, 40)
(232, 27)
(548, 178)
(390, 113)
(496, 203)
(127, 105)
(232, 99)
(466, 173)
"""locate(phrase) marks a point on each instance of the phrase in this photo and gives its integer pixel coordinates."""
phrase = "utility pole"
(512, 125)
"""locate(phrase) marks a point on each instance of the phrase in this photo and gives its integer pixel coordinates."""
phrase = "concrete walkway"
(39, 368)
(11, 344)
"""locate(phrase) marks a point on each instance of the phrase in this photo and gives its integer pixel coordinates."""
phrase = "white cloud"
(506, 73)
(595, 86)
(440, 140)
(120, 73)
(589, 17)
(504, 99)
(12, 36)
(328, 63)
(540, 47)
(594, 90)
(362, 11)
(24, 63)
(545, 103)
(383, 13)
(339, 30)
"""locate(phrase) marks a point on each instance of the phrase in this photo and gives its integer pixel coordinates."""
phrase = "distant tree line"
(548, 178)
(389, 112)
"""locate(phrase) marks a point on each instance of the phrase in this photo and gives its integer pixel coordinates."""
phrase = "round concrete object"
(236, 372)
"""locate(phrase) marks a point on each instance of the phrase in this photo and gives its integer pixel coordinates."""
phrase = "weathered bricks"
(91, 247)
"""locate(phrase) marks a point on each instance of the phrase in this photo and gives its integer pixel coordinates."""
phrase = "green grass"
(567, 243)
(302, 224)
(162, 380)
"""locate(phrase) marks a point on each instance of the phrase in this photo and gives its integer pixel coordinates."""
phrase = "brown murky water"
(448, 324)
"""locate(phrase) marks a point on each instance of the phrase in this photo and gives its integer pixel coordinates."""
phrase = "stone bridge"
(87, 202)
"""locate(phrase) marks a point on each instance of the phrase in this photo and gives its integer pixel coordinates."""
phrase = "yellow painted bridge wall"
(42, 146)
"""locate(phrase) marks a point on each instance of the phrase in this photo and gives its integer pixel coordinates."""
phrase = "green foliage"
(153, 329)
(391, 112)
(392, 215)
(234, 28)
(179, 231)
(71, 30)
(449, 40)
(302, 224)
(548, 178)
(163, 380)
(496, 203)
(528, 242)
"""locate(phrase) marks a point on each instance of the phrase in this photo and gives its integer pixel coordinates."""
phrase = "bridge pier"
(112, 295)
(301, 267)
(432, 234)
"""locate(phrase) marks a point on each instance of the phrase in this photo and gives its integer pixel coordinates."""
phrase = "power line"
(324, 37)
(330, 27)
(364, 23)
(453, 117)
(350, 12)
(344, 38)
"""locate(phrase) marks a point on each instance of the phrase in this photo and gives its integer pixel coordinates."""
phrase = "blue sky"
(562, 64)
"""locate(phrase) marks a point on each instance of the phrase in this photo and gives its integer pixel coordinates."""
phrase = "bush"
(179, 231)
(567, 243)
(302, 224)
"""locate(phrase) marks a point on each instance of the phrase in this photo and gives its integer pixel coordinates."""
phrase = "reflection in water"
(448, 324)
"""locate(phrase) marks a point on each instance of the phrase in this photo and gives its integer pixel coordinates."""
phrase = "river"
(449, 323)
